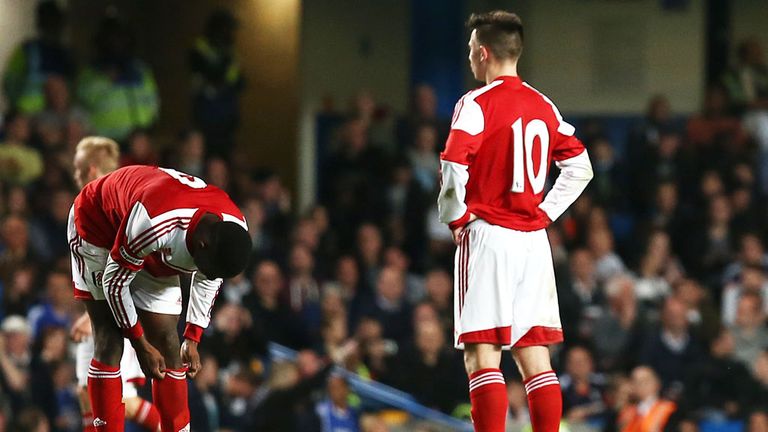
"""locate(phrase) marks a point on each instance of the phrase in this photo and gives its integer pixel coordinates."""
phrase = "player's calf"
(105, 386)
(545, 399)
(170, 393)
(487, 389)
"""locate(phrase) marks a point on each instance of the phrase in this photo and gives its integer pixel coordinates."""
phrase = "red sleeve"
(566, 147)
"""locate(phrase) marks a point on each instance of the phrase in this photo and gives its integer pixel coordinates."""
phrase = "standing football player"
(503, 139)
(94, 158)
(132, 233)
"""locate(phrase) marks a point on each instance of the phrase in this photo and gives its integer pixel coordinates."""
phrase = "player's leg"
(545, 401)
(537, 321)
(104, 382)
(143, 413)
(170, 393)
(487, 389)
(158, 301)
(482, 329)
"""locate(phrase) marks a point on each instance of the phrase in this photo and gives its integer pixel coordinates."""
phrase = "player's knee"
(108, 347)
(168, 345)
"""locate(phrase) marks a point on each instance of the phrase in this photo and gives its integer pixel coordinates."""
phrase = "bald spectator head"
(749, 312)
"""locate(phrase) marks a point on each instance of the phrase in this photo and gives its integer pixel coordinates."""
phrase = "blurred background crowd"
(661, 265)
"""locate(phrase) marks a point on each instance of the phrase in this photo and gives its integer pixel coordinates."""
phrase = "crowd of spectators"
(661, 265)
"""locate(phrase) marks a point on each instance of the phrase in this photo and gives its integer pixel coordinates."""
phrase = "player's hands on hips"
(190, 357)
(457, 232)
(81, 329)
(151, 361)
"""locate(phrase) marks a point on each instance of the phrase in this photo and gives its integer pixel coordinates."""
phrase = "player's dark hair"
(230, 248)
(499, 31)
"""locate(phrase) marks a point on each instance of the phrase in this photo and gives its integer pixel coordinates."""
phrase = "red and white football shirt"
(504, 136)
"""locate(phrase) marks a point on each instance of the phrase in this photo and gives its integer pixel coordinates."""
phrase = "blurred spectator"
(609, 185)
(715, 124)
(414, 283)
(749, 330)
(672, 347)
(582, 389)
(607, 261)
(190, 158)
(582, 299)
(751, 252)
(375, 117)
(658, 269)
(334, 412)
(751, 281)
(217, 83)
(427, 370)
(217, 174)
(701, 312)
(747, 82)
(57, 310)
(288, 390)
(408, 205)
(268, 312)
(389, 305)
(48, 231)
(423, 157)
(140, 150)
(117, 89)
(718, 384)
(34, 61)
(20, 164)
(439, 286)
(303, 289)
(19, 290)
(619, 326)
(423, 110)
(14, 233)
(649, 413)
(51, 124)
(370, 248)
(235, 341)
(657, 121)
(710, 245)
(356, 173)
(15, 359)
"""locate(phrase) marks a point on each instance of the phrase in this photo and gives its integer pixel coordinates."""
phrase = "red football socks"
(105, 389)
(170, 397)
(148, 417)
(488, 394)
(545, 401)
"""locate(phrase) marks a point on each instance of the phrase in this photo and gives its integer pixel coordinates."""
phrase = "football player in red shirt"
(132, 232)
(503, 138)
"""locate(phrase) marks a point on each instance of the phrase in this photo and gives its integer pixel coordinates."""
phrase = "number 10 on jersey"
(525, 136)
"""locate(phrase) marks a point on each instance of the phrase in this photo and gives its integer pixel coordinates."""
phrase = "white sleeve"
(115, 283)
(575, 174)
(202, 295)
(453, 190)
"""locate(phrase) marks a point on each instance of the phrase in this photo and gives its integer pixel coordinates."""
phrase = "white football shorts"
(150, 293)
(504, 288)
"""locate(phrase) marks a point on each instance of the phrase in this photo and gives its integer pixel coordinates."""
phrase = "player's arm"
(135, 240)
(572, 159)
(463, 141)
(202, 295)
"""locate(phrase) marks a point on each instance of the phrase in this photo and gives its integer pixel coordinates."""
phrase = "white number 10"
(534, 128)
